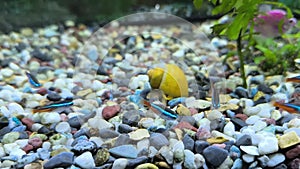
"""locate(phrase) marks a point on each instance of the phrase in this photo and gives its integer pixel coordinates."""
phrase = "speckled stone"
(288, 139)
(64, 159)
(102, 156)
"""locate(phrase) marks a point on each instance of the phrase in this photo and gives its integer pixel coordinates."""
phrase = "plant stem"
(241, 58)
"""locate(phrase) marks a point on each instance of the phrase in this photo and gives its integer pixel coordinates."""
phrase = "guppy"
(33, 80)
(53, 106)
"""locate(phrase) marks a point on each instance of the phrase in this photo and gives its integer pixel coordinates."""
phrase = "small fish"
(52, 106)
(155, 108)
(291, 108)
(295, 79)
(32, 80)
(273, 23)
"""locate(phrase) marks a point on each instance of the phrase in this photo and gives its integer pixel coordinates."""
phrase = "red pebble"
(27, 148)
(270, 121)
(241, 116)
(35, 142)
(220, 145)
(63, 117)
(203, 133)
(42, 91)
(295, 152)
(295, 164)
(193, 111)
(28, 122)
(110, 111)
(185, 125)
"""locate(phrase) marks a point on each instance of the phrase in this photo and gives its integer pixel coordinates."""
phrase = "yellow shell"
(170, 79)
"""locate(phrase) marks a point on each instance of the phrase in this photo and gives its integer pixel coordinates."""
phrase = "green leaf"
(259, 59)
(197, 3)
(225, 7)
(219, 29)
(214, 1)
(269, 54)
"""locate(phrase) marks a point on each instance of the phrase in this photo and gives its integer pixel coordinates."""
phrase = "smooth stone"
(252, 119)
(139, 134)
(200, 146)
(226, 164)
(124, 128)
(199, 160)
(99, 123)
(82, 146)
(64, 159)
(110, 111)
(137, 161)
(259, 125)
(120, 163)
(263, 160)
(15, 108)
(63, 127)
(53, 96)
(294, 164)
(244, 140)
(251, 111)
(158, 140)
(126, 151)
(214, 115)
(10, 137)
(147, 166)
(108, 133)
(102, 156)
(189, 159)
(234, 152)
(264, 88)
(251, 150)
(167, 154)
(229, 129)
(293, 153)
(35, 142)
(268, 145)
(50, 118)
(182, 110)
(122, 139)
(281, 166)
(215, 155)
(248, 158)
(131, 117)
(85, 160)
(237, 164)
(275, 159)
(297, 130)
(288, 139)
(238, 123)
(43, 153)
(188, 142)
(276, 115)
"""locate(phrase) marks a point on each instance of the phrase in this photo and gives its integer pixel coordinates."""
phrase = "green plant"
(241, 27)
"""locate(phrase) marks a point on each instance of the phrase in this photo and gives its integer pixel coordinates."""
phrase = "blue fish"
(52, 106)
(158, 109)
(294, 79)
(291, 108)
(32, 80)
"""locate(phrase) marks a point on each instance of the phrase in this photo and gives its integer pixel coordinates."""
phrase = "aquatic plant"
(241, 26)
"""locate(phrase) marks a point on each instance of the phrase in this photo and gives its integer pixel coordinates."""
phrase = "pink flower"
(273, 23)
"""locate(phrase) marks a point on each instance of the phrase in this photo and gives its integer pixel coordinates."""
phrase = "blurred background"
(15, 14)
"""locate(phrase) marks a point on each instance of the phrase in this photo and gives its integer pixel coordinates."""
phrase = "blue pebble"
(176, 101)
(270, 128)
(27, 90)
(27, 159)
(234, 152)
(230, 113)
(17, 121)
(253, 91)
(238, 164)
(43, 153)
(19, 128)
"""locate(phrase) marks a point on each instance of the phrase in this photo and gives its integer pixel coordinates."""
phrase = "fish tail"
(286, 107)
(295, 79)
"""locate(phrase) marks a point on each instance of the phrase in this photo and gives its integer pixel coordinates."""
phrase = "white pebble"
(275, 159)
(252, 119)
(248, 158)
(50, 118)
(229, 129)
(5, 111)
(120, 163)
(85, 160)
(63, 127)
(15, 108)
(251, 150)
(10, 147)
(268, 145)
(259, 125)
(7, 72)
